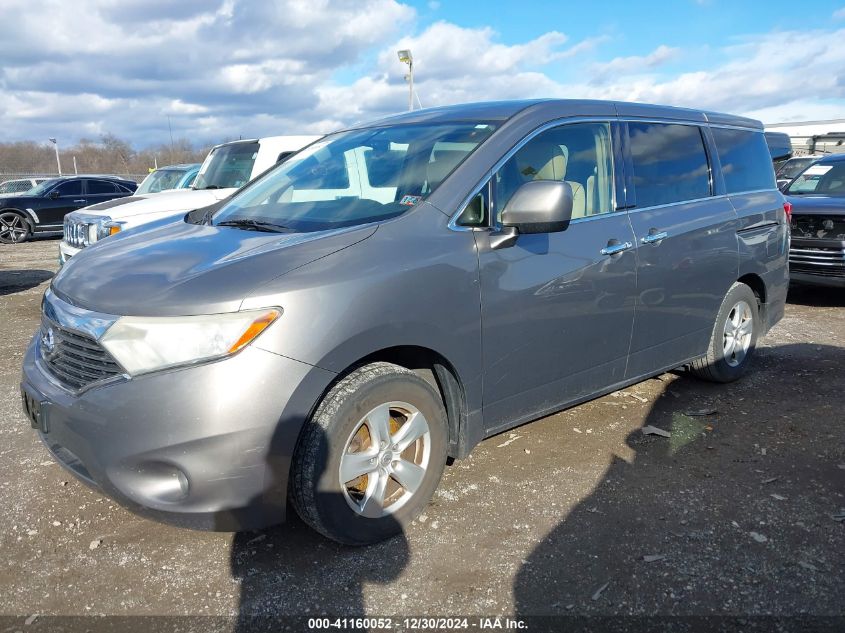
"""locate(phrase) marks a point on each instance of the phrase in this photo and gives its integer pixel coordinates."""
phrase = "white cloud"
(224, 68)
(839, 14)
(636, 64)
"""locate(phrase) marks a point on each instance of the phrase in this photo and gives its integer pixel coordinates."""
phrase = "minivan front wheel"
(372, 455)
(734, 337)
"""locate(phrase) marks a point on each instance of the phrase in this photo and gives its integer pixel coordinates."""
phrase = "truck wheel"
(372, 455)
(734, 337)
(14, 228)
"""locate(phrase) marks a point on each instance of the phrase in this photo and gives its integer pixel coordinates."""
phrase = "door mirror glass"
(539, 206)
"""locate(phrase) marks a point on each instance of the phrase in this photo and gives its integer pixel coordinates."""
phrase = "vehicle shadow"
(817, 296)
(291, 571)
(731, 515)
(12, 281)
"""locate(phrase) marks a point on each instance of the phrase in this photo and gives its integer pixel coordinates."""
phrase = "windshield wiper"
(255, 225)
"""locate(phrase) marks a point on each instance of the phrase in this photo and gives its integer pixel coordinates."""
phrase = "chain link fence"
(4, 176)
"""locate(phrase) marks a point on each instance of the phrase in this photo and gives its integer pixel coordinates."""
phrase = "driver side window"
(579, 154)
(69, 188)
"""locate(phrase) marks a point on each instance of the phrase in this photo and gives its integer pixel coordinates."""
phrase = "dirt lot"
(562, 515)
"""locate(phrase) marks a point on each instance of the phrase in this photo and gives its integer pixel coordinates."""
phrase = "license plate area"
(36, 409)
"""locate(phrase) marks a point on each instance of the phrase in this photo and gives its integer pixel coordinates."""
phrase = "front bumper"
(66, 251)
(819, 262)
(206, 447)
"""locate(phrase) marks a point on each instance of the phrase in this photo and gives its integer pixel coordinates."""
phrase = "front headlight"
(145, 344)
(106, 226)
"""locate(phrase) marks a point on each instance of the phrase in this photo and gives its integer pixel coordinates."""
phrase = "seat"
(546, 161)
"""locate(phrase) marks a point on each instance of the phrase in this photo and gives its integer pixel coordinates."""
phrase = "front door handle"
(613, 249)
(80, 201)
(651, 238)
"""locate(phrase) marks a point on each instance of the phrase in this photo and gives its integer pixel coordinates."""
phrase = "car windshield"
(795, 166)
(161, 180)
(826, 179)
(356, 177)
(227, 166)
(44, 187)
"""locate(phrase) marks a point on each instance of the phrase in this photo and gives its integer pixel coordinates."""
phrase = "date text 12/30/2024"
(418, 624)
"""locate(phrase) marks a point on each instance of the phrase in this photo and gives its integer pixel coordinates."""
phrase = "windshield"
(795, 166)
(356, 177)
(44, 187)
(827, 179)
(227, 166)
(160, 180)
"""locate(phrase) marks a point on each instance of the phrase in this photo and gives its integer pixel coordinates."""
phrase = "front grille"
(75, 359)
(79, 234)
(820, 227)
(828, 261)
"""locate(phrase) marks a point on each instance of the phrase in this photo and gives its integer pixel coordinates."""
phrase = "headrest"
(444, 161)
(540, 160)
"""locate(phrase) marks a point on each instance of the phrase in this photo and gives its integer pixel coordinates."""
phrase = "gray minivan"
(334, 339)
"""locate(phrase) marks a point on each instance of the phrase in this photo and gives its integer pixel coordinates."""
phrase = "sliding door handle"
(613, 249)
(651, 238)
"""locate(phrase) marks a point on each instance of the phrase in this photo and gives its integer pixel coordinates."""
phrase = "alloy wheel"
(739, 327)
(385, 459)
(13, 228)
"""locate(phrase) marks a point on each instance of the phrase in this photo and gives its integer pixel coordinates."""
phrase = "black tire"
(14, 227)
(715, 366)
(320, 498)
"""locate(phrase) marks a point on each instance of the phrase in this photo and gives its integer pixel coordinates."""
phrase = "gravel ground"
(578, 513)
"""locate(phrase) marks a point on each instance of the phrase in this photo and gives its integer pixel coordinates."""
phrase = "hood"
(817, 205)
(184, 269)
(116, 202)
(176, 201)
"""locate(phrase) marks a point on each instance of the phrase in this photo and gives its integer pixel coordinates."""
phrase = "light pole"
(58, 163)
(406, 58)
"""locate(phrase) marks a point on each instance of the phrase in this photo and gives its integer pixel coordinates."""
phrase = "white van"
(227, 167)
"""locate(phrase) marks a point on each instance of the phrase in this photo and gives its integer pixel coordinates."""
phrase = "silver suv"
(395, 293)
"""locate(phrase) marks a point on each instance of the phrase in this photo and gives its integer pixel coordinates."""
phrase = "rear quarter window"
(744, 155)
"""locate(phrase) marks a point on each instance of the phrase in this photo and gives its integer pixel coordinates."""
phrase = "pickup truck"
(227, 167)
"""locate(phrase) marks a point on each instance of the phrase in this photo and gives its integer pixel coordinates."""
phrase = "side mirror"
(539, 206)
(53, 194)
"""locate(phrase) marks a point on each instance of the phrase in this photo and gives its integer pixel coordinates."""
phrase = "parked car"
(508, 260)
(817, 198)
(790, 169)
(227, 167)
(167, 178)
(43, 208)
(19, 185)
(780, 146)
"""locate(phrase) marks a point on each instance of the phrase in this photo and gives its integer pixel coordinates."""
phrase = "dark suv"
(817, 196)
(43, 208)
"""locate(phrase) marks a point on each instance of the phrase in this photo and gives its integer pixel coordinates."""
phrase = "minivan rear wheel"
(734, 337)
(372, 455)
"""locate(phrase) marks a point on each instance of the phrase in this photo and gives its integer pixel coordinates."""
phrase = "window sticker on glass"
(410, 200)
(818, 170)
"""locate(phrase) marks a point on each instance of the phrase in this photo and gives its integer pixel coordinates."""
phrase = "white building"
(813, 137)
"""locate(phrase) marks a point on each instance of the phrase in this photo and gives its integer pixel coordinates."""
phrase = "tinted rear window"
(744, 155)
(99, 187)
(670, 164)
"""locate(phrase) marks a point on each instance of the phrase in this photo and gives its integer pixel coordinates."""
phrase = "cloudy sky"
(220, 69)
